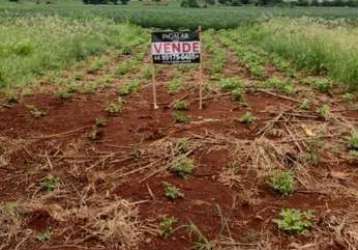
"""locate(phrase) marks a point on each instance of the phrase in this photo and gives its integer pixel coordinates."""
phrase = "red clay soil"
(207, 200)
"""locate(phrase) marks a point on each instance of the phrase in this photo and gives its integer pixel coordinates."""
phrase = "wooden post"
(201, 73)
(154, 87)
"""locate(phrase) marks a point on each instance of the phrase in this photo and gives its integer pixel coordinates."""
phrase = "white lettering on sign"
(162, 48)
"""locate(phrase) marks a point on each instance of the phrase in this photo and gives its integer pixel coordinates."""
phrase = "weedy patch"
(96, 66)
(128, 88)
(282, 86)
(322, 85)
(294, 221)
(172, 192)
(166, 226)
(324, 112)
(183, 167)
(175, 86)
(115, 107)
(181, 105)
(282, 182)
(64, 94)
(230, 84)
(124, 68)
(36, 112)
(181, 117)
(247, 118)
(50, 183)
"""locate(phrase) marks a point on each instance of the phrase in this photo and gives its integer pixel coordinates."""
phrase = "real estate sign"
(175, 47)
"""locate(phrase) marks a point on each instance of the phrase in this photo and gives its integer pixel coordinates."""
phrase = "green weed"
(353, 141)
(115, 107)
(50, 183)
(166, 226)
(172, 192)
(282, 182)
(294, 221)
(175, 86)
(247, 118)
(128, 88)
(181, 105)
(181, 117)
(183, 167)
(324, 112)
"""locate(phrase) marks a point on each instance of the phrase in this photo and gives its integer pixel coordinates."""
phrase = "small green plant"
(305, 105)
(115, 107)
(50, 183)
(324, 111)
(182, 146)
(101, 122)
(294, 221)
(166, 226)
(282, 182)
(172, 192)
(322, 85)
(181, 117)
(128, 88)
(247, 118)
(44, 236)
(175, 86)
(282, 86)
(96, 65)
(89, 88)
(147, 73)
(353, 141)
(238, 94)
(183, 167)
(230, 84)
(181, 105)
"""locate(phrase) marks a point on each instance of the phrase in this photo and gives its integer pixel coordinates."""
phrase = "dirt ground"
(110, 192)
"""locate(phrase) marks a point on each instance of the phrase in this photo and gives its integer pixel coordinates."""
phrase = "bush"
(189, 4)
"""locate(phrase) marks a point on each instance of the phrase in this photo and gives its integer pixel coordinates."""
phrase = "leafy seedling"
(238, 94)
(101, 122)
(247, 118)
(64, 94)
(282, 182)
(324, 112)
(181, 117)
(50, 183)
(294, 221)
(322, 85)
(166, 226)
(123, 68)
(183, 167)
(282, 86)
(172, 192)
(115, 107)
(181, 105)
(175, 86)
(96, 66)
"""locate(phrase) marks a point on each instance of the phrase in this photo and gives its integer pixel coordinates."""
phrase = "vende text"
(160, 48)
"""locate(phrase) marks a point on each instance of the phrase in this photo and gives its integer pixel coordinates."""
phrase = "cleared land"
(86, 163)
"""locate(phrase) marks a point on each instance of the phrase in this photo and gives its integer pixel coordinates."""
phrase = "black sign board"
(170, 47)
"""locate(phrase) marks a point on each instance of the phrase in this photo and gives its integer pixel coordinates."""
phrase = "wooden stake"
(154, 87)
(201, 73)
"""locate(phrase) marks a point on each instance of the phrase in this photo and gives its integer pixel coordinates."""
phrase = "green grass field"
(172, 16)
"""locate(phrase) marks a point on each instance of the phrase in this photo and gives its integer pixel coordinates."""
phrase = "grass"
(317, 46)
(33, 46)
(172, 16)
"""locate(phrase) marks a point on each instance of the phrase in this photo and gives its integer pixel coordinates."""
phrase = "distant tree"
(189, 4)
